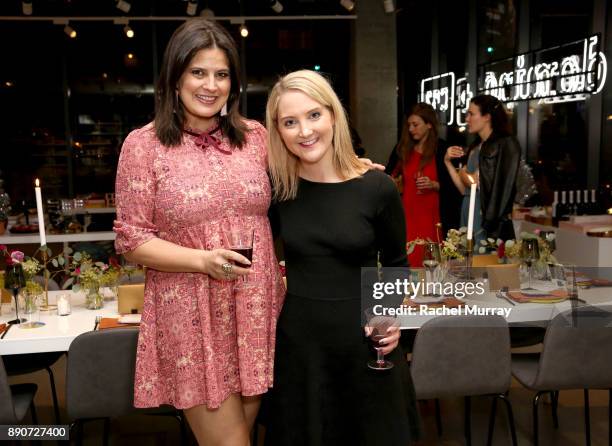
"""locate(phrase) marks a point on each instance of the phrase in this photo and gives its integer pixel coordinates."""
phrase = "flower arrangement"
(545, 244)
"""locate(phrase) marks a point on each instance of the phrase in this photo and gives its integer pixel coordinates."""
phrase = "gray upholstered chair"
(464, 356)
(100, 379)
(15, 400)
(577, 354)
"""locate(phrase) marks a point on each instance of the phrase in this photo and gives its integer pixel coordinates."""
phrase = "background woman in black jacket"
(499, 158)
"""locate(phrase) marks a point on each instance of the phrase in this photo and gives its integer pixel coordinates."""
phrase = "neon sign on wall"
(568, 72)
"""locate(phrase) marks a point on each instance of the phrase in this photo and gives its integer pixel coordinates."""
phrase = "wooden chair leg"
(468, 421)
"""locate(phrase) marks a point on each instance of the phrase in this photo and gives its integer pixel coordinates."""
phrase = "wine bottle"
(563, 207)
(594, 205)
(555, 206)
(585, 202)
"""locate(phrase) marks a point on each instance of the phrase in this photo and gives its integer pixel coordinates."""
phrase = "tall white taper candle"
(41, 215)
(470, 228)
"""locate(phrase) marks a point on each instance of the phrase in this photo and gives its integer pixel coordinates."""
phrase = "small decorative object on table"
(14, 279)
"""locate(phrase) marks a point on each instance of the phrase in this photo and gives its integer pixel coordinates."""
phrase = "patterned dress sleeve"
(135, 193)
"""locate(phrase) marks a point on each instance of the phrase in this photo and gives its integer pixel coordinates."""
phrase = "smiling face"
(204, 87)
(477, 122)
(307, 129)
(417, 128)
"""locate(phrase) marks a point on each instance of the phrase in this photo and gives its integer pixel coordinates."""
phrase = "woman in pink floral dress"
(207, 336)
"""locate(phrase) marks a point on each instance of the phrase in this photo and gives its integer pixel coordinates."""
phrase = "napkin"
(113, 322)
(538, 297)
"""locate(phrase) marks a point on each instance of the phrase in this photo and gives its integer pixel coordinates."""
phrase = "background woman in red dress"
(420, 192)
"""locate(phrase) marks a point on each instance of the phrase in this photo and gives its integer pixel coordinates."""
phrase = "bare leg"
(225, 426)
(251, 407)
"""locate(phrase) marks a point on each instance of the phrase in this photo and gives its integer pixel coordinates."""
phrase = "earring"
(224, 109)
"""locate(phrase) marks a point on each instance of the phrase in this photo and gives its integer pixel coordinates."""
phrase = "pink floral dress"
(200, 339)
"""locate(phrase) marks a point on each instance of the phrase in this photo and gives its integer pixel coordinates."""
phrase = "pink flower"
(3, 248)
(77, 271)
(536, 232)
(17, 257)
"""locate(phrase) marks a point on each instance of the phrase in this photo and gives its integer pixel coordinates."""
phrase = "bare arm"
(166, 256)
(454, 152)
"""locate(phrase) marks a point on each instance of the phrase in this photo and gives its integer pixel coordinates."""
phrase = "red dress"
(422, 209)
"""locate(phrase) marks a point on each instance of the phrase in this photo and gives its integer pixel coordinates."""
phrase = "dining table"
(59, 331)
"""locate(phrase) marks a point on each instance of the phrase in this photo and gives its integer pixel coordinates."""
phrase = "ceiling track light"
(389, 6)
(26, 7)
(276, 6)
(244, 31)
(129, 32)
(349, 5)
(70, 31)
(123, 6)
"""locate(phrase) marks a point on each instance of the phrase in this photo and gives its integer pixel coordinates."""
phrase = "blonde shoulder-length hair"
(284, 165)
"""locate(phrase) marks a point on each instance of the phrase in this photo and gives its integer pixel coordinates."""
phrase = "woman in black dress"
(333, 219)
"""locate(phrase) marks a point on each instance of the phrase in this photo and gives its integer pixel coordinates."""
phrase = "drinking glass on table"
(432, 260)
(379, 325)
(530, 252)
(240, 240)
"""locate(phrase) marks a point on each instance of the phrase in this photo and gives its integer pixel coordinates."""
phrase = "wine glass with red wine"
(240, 240)
(379, 326)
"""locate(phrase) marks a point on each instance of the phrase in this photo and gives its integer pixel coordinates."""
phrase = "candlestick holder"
(469, 248)
(44, 306)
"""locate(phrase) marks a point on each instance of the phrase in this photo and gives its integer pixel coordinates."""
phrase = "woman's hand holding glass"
(216, 261)
(424, 183)
(454, 152)
(390, 341)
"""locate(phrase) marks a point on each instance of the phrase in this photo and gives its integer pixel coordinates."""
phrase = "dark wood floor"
(149, 430)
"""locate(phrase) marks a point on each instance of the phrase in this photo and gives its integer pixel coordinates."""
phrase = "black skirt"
(324, 394)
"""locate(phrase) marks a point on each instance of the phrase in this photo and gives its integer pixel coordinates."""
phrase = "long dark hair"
(192, 36)
(500, 123)
(406, 144)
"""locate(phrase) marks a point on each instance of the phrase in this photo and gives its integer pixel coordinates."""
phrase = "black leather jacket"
(498, 165)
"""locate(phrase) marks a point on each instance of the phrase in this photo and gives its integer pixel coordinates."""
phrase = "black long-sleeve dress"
(324, 393)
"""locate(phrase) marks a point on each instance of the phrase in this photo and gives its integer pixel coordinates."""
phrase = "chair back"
(577, 350)
(100, 373)
(7, 409)
(461, 356)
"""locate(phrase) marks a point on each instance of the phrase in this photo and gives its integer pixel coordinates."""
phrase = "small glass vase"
(93, 298)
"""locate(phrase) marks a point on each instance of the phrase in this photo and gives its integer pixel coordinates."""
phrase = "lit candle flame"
(37, 183)
(470, 178)
(610, 211)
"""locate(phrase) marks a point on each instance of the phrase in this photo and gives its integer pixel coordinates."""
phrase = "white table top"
(59, 331)
(520, 312)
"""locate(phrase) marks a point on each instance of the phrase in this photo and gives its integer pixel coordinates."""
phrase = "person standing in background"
(416, 153)
(498, 163)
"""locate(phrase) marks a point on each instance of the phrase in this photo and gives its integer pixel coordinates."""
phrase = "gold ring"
(227, 269)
